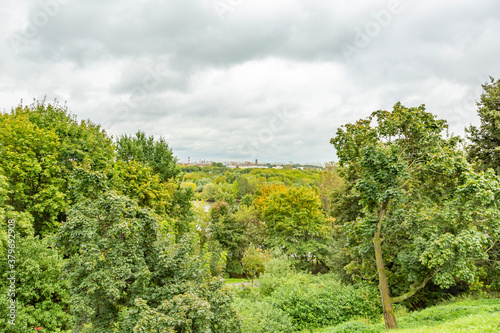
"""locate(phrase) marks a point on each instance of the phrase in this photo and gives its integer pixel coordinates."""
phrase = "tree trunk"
(383, 286)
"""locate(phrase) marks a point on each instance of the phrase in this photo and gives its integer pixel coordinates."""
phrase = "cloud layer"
(240, 79)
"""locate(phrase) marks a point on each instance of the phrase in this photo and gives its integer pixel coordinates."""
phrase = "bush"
(261, 317)
(317, 301)
(312, 301)
(42, 296)
(253, 261)
(277, 270)
(353, 327)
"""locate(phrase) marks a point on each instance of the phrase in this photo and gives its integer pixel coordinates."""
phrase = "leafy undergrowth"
(468, 316)
(229, 280)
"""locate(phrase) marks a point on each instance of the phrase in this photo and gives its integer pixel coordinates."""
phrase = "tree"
(153, 153)
(42, 145)
(138, 181)
(30, 157)
(42, 296)
(128, 274)
(426, 215)
(484, 149)
(254, 260)
(81, 143)
(229, 234)
(254, 230)
(294, 222)
(240, 187)
(329, 182)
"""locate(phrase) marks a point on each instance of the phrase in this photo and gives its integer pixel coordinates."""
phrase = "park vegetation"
(112, 235)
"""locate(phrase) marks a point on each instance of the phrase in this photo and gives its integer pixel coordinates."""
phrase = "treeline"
(112, 236)
(104, 239)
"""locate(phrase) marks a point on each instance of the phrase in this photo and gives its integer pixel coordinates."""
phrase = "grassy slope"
(482, 316)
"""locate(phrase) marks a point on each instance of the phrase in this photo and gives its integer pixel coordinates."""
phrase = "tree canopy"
(484, 149)
(426, 216)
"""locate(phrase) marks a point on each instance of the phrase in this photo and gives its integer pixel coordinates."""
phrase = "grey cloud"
(221, 82)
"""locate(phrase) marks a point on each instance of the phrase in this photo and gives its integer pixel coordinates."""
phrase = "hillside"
(468, 316)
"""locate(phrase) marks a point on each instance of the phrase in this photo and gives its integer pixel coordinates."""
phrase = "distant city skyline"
(252, 163)
(248, 79)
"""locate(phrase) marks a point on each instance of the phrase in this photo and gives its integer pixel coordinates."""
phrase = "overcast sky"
(245, 79)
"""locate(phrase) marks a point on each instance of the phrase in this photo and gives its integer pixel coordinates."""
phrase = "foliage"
(253, 261)
(353, 327)
(484, 149)
(254, 230)
(317, 301)
(295, 222)
(420, 202)
(128, 274)
(312, 301)
(481, 315)
(240, 187)
(229, 235)
(23, 220)
(81, 143)
(329, 182)
(247, 200)
(41, 146)
(154, 153)
(139, 182)
(42, 296)
(277, 271)
(211, 192)
(262, 317)
(29, 160)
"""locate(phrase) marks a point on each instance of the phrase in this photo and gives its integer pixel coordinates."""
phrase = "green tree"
(254, 230)
(295, 223)
(153, 153)
(254, 260)
(138, 181)
(484, 149)
(240, 187)
(229, 234)
(42, 144)
(329, 182)
(29, 160)
(81, 143)
(426, 216)
(42, 296)
(127, 273)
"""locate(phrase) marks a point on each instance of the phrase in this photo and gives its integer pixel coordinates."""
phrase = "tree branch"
(413, 289)
(494, 243)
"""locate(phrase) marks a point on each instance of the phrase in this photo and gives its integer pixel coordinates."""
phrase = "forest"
(103, 234)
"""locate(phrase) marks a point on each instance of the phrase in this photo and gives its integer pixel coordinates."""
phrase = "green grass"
(467, 316)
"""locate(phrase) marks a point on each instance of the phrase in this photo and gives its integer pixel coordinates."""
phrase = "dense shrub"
(261, 317)
(353, 327)
(42, 296)
(312, 301)
(316, 301)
